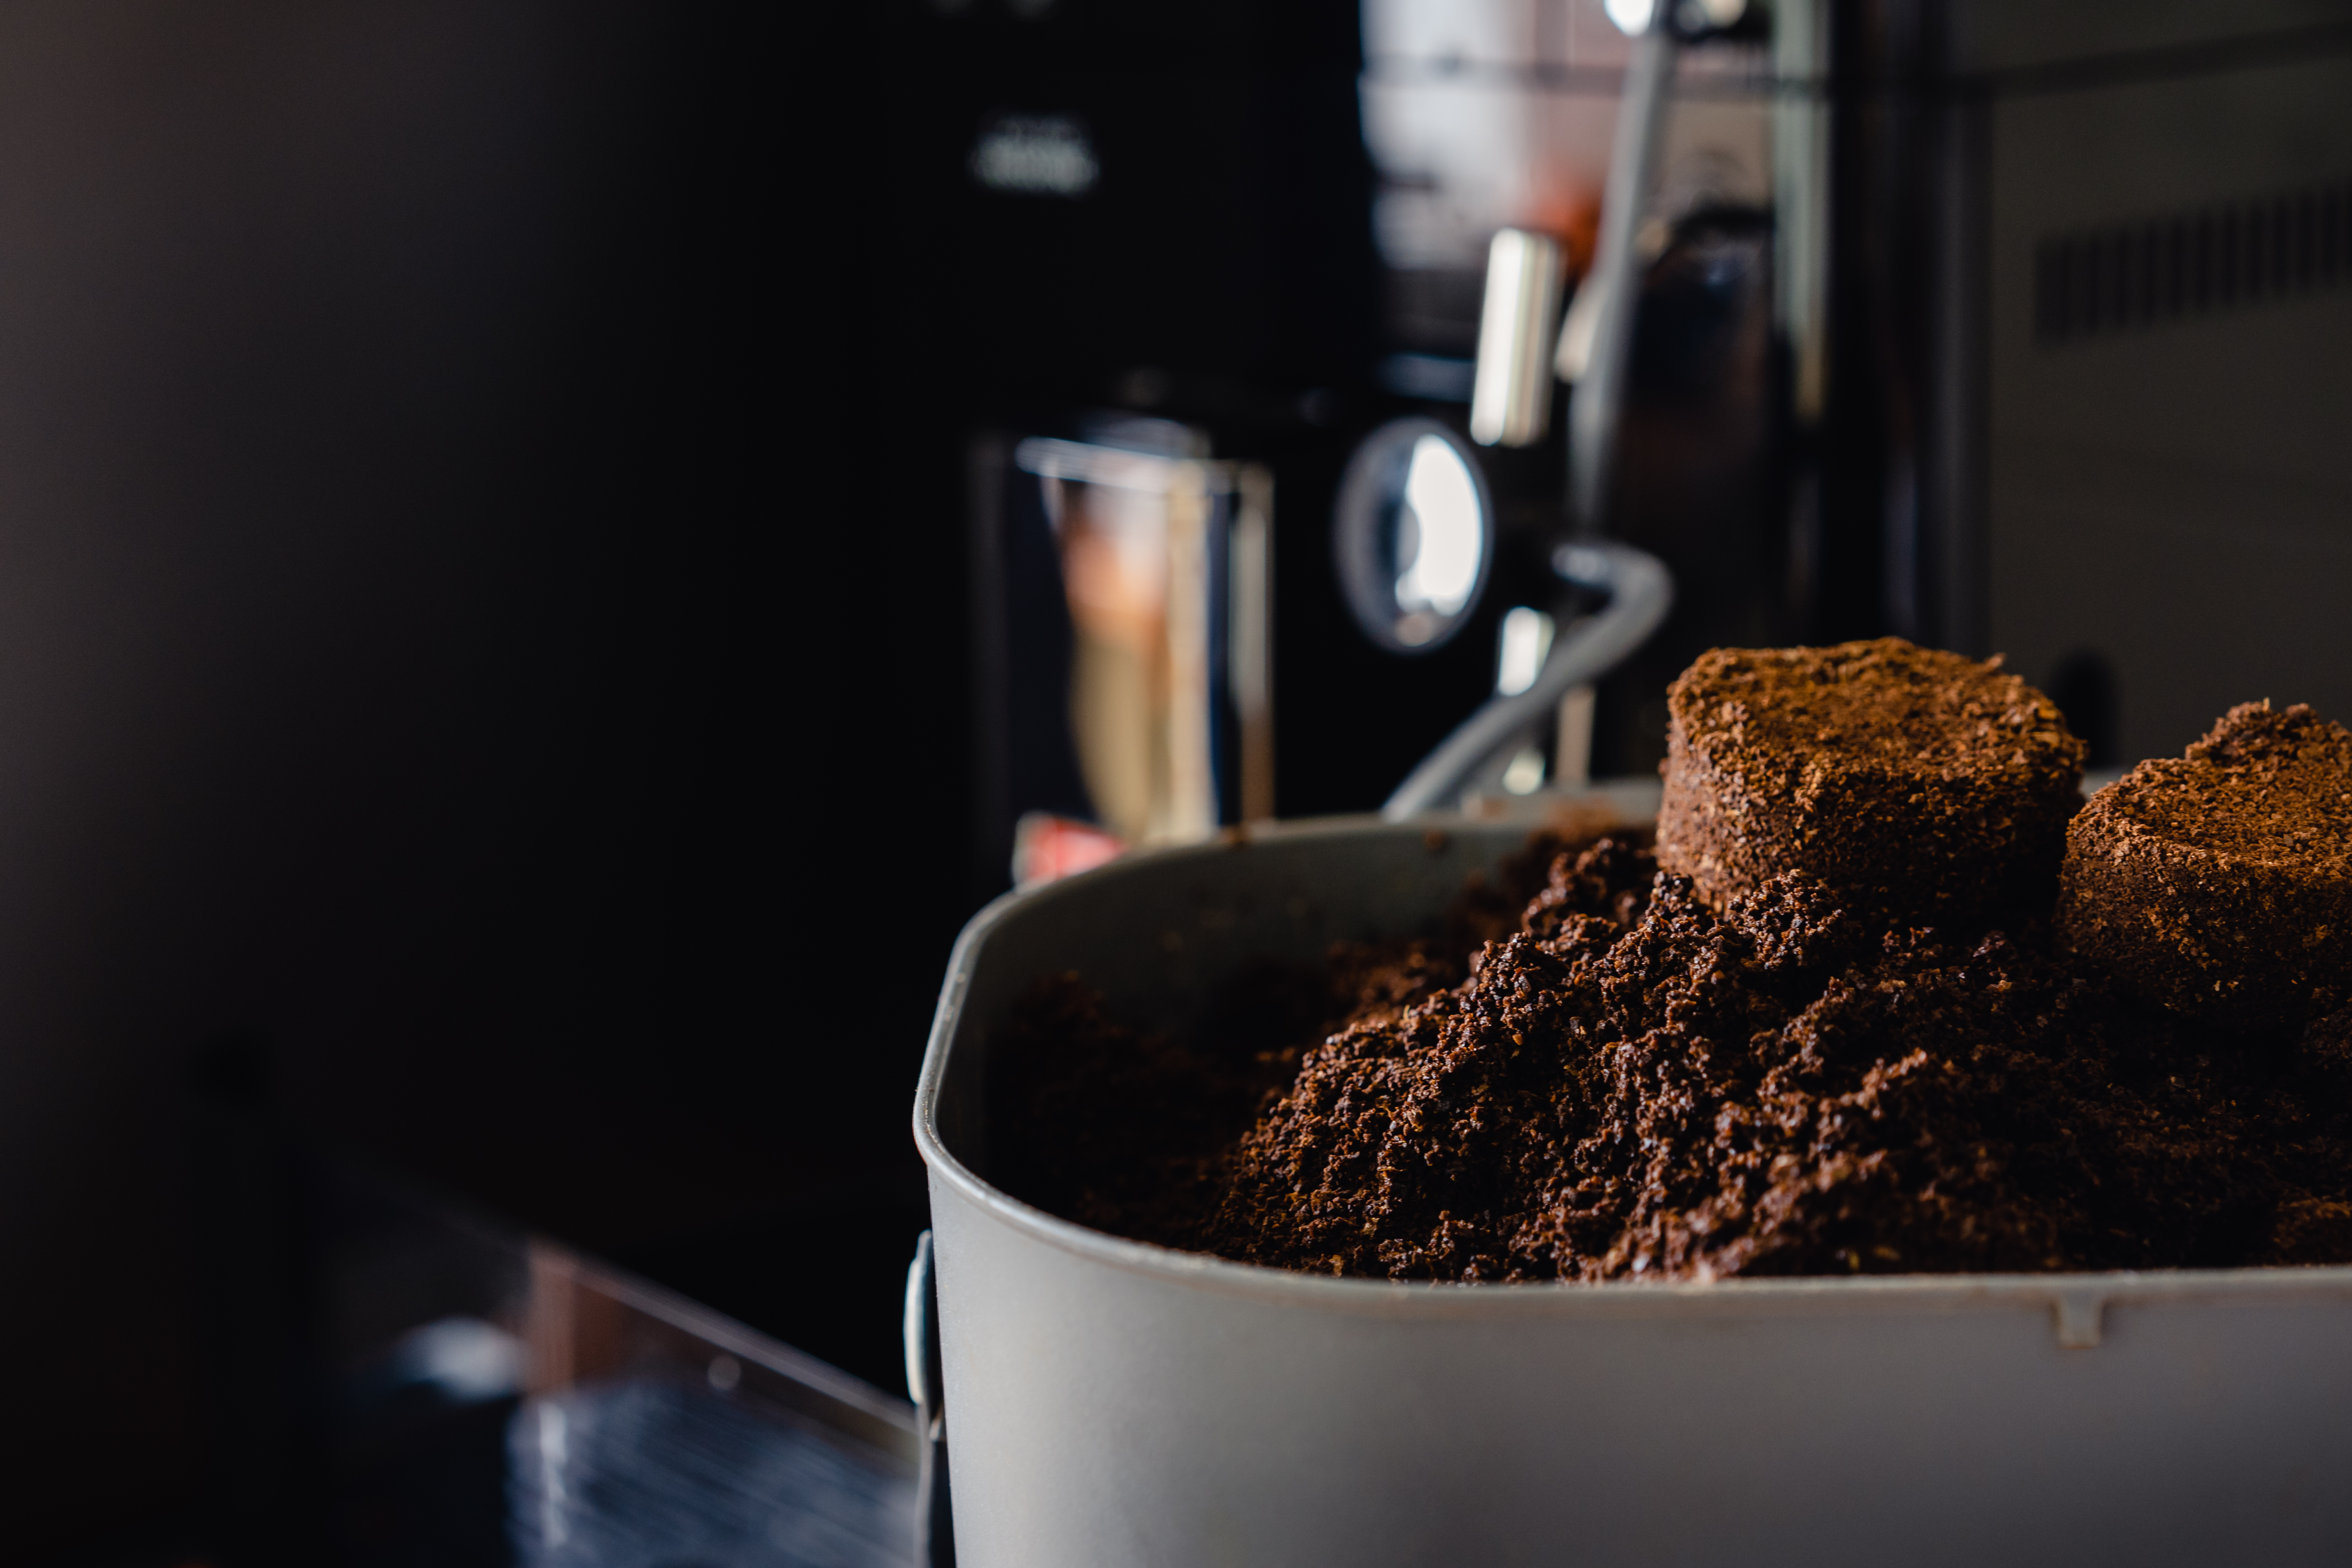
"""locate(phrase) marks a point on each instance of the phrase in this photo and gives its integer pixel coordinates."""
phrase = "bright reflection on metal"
(1413, 534)
(1526, 640)
(1525, 775)
(1691, 17)
(1631, 16)
(1440, 535)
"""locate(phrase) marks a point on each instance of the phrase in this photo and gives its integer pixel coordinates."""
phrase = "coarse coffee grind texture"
(1592, 1074)
(1903, 778)
(2218, 883)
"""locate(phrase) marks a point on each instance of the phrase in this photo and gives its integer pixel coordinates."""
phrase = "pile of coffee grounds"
(1589, 1075)
(2218, 883)
(1906, 779)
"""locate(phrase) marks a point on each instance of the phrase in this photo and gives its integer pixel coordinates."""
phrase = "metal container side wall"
(1101, 1414)
(1111, 1402)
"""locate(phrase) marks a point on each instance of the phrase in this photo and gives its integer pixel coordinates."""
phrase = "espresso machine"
(1997, 330)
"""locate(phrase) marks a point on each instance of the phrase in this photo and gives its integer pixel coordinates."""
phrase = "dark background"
(454, 632)
(482, 621)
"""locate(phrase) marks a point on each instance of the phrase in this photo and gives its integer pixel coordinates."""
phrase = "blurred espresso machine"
(2004, 327)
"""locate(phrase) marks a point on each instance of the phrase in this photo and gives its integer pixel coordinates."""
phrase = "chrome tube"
(1640, 591)
(1593, 413)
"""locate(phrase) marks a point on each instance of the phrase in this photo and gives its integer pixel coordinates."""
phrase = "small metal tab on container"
(2080, 1317)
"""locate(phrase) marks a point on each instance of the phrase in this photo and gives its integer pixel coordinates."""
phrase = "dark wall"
(416, 537)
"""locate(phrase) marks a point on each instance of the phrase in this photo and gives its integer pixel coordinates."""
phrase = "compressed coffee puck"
(2218, 883)
(1908, 781)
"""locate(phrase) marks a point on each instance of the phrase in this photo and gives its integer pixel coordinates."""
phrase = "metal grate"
(2148, 272)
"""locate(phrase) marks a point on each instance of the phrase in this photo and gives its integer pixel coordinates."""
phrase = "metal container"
(1107, 1402)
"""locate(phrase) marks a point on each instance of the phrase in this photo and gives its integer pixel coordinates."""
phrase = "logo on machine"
(1036, 155)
